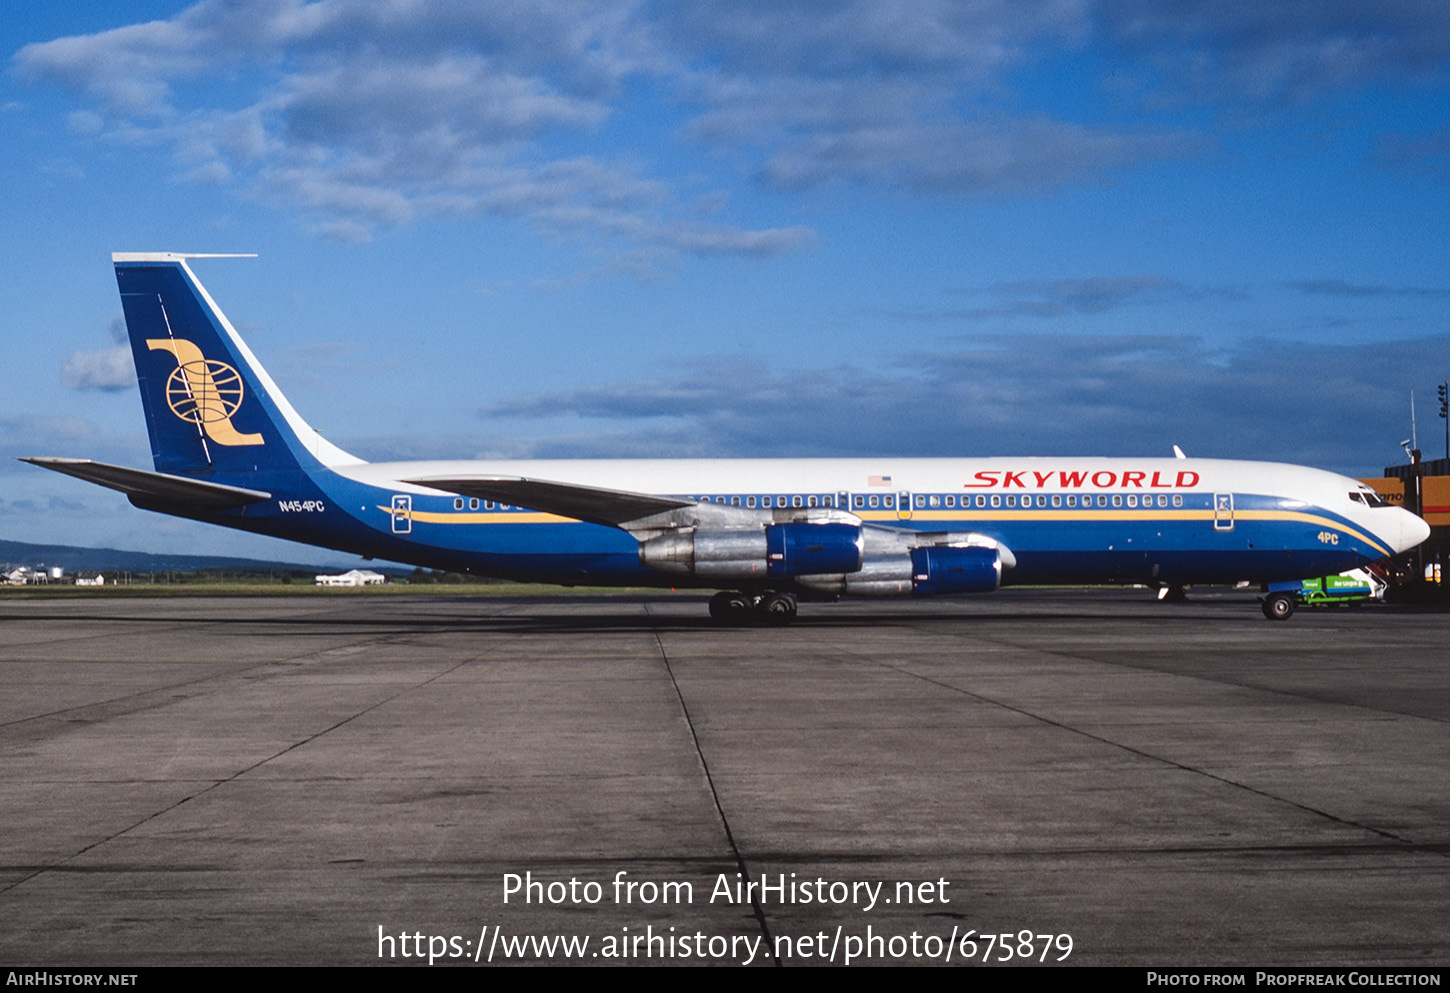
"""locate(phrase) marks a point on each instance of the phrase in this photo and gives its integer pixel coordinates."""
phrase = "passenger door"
(1223, 511)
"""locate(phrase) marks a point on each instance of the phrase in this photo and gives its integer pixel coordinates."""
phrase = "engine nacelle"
(894, 566)
(806, 549)
(955, 569)
(777, 551)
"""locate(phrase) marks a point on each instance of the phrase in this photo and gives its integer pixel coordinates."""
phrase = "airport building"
(1424, 488)
(353, 577)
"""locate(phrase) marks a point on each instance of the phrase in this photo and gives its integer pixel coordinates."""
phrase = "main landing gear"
(775, 609)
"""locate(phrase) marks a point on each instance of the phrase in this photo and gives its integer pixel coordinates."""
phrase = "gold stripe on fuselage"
(891, 516)
(933, 516)
(487, 517)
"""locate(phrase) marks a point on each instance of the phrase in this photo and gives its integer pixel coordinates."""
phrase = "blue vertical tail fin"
(210, 406)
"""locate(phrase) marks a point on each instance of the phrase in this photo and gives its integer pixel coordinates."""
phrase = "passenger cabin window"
(875, 501)
(1117, 499)
(1178, 499)
(1057, 500)
(982, 501)
(996, 500)
(1072, 499)
(458, 503)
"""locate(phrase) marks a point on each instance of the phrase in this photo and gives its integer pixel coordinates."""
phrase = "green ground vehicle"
(1353, 588)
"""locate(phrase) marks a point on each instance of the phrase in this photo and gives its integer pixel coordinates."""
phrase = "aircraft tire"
(730, 608)
(1278, 606)
(777, 609)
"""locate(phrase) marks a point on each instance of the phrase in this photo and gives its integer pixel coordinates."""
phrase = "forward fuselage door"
(1223, 511)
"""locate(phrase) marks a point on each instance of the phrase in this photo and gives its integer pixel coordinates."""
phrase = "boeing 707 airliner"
(229, 449)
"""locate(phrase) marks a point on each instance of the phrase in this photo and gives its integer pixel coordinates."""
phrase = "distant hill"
(73, 559)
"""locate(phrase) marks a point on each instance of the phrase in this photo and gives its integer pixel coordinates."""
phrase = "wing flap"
(153, 487)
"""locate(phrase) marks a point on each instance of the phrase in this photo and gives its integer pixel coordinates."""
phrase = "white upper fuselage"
(1289, 487)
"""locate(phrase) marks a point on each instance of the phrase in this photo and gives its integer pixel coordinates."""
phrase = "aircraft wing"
(645, 514)
(153, 487)
(594, 504)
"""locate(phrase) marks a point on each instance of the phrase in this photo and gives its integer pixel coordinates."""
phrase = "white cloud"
(109, 370)
(1000, 156)
(1006, 395)
(1292, 50)
(34, 434)
(366, 114)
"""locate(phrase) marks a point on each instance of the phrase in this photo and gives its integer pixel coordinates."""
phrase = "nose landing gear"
(1278, 606)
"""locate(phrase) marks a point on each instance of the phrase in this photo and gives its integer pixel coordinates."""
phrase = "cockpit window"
(1369, 498)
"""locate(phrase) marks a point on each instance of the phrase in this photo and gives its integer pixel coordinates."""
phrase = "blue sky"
(553, 228)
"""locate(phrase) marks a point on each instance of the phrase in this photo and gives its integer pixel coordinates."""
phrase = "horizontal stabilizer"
(154, 486)
(583, 503)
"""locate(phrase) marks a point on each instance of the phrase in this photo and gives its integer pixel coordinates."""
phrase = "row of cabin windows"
(473, 504)
(1042, 500)
(923, 502)
(813, 500)
(887, 501)
(809, 500)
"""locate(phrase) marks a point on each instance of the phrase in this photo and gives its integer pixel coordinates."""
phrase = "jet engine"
(777, 551)
(955, 569)
(911, 563)
(834, 558)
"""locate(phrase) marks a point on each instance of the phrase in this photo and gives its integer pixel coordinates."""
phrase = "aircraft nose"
(1413, 530)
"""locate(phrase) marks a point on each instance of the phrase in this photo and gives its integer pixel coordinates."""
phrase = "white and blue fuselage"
(1170, 521)
(230, 450)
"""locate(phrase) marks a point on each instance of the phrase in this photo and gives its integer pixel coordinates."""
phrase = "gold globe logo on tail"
(204, 391)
